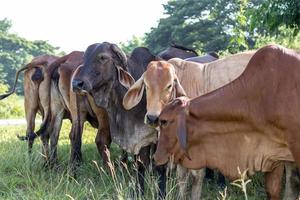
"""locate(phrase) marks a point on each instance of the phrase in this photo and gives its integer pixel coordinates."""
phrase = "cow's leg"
(103, 141)
(221, 180)
(162, 179)
(31, 109)
(292, 183)
(143, 161)
(273, 182)
(31, 105)
(57, 122)
(103, 138)
(124, 157)
(78, 117)
(209, 174)
(45, 143)
(30, 118)
(182, 176)
(76, 140)
(198, 176)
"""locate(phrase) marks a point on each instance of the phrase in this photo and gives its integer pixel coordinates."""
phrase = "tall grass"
(24, 177)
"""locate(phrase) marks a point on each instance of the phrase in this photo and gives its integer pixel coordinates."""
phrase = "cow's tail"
(33, 135)
(3, 96)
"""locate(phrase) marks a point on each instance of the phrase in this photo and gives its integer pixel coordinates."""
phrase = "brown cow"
(166, 80)
(258, 111)
(37, 77)
(65, 102)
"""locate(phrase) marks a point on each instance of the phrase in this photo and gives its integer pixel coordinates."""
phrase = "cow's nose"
(77, 85)
(151, 119)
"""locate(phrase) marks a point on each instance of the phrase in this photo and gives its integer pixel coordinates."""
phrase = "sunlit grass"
(24, 177)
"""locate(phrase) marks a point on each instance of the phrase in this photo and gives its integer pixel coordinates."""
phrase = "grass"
(12, 107)
(24, 177)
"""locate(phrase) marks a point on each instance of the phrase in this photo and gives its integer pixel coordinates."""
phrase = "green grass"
(24, 177)
(12, 107)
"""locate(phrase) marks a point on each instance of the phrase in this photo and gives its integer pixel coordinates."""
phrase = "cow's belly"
(265, 158)
(133, 139)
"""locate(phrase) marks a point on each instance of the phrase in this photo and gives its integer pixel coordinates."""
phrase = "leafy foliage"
(267, 17)
(219, 25)
(286, 38)
(128, 46)
(205, 25)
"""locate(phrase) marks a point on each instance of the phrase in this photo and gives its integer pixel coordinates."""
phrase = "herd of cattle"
(241, 111)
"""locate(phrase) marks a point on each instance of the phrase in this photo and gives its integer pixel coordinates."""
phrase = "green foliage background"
(225, 25)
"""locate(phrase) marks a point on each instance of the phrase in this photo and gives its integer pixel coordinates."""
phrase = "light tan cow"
(166, 80)
(37, 77)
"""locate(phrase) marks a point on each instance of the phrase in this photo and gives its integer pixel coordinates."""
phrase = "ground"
(24, 177)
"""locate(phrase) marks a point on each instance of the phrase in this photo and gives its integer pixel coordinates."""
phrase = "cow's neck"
(116, 96)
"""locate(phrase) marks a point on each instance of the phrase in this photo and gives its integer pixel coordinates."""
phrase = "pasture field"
(24, 177)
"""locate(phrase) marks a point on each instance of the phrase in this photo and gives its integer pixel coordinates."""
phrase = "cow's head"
(162, 86)
(172, 139)
(105, 65)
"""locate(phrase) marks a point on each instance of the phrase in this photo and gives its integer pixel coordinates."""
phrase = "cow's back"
(223, 71)
(198, 79)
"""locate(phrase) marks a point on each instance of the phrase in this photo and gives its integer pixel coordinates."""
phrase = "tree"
(214, 25)
(206, 25)
(267, 17)
(16, 51)
(132, 44)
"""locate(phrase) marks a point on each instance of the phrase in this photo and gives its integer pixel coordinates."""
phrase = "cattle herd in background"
(239, 111)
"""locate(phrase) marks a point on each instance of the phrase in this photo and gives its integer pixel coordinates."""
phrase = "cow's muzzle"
(77, 85)
(151, 120)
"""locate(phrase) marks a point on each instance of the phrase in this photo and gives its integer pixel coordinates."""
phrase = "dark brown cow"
(177, 51)
(37, 77)
(105, 75)
(251, 123)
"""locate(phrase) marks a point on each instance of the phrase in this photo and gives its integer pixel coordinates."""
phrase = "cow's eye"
(163, 123)
(169, 87)
(101, 58)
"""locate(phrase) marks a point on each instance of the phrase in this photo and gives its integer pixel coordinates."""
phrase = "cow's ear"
(182, 133)
(125, 78)
(134, 95)
(178, 88)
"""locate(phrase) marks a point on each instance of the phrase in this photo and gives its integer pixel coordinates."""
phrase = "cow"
(37, 77)
(251, 123)
(177, 51)
(66, 104)
(106, 75)
(164, 81)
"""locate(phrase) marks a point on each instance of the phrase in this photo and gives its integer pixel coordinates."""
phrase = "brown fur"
(166, 80)
(36, 81)
(80, 108)
(251, 123)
